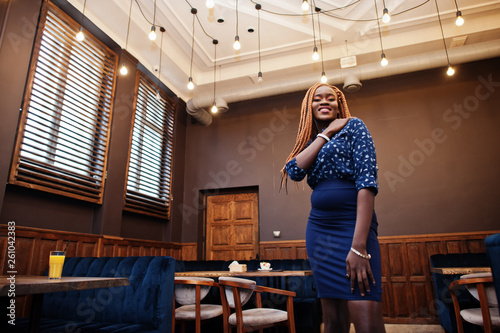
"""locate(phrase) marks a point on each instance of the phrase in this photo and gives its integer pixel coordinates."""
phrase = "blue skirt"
(329, 234)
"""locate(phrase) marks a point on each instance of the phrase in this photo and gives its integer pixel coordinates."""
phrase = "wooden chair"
(480, 285)
(189, 292)
(236, 292)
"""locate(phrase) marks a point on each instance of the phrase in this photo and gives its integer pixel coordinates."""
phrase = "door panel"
(232, 226)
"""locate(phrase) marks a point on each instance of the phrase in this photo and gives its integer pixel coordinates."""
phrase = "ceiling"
(412, 40)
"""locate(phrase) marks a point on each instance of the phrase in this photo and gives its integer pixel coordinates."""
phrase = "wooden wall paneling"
(189, 251)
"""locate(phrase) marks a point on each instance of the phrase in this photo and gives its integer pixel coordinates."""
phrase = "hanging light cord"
(378, 24)
(215, 64)
(161, 51)
(128, 27)
(320, 41)
(258, 27)
(312, 20)
(442, 33)
(456, 5)
(237, 17)
(154, 15)
(192, 51)
(83, 12)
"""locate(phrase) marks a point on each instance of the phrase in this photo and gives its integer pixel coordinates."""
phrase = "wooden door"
(232, 223)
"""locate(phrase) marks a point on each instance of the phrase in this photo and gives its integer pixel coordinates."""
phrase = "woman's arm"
(358, 268)
(306, 157)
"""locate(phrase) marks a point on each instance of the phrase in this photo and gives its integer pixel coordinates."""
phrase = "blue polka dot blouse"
(349, 155)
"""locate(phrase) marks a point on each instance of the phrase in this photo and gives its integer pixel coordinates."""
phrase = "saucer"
(263, 269)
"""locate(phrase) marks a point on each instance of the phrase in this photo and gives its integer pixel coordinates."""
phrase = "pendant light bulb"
(305, 6)
(152, 34)
(386, 17)
(237, 44)
(80, 36)
(158, 97)
(123, 70)
(214, 108)
(323, 78)
(210, 4)
(384, 60)
(190, 84)
(259, 77)
(315, 55)
(450, 71)
(460, 20)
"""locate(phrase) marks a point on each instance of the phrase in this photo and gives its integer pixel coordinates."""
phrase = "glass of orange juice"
(56, 262)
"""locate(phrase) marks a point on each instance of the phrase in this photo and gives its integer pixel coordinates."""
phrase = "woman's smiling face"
(325, 105)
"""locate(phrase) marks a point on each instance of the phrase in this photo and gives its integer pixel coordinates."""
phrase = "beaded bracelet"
(324, 137)
(367, 257)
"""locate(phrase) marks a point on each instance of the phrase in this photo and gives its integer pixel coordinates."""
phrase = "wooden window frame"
(64, 128)
(149, 170)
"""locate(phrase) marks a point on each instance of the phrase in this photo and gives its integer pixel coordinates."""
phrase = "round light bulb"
(315, 55)
(152, 34)
(190, 84)
(158, 96)
(214, 108)
(259, 79)
(323, 78)
(123, 70)
(237, 44)
(384, 60)
(450, 71)
(386, 17)
(80, 36)
(460, 20)
(210, 4)
(305, 6)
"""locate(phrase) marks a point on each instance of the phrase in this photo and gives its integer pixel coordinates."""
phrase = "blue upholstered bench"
(143, 306)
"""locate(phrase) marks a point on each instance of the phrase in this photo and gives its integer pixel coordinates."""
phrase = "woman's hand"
(359, 270)
(335, 126)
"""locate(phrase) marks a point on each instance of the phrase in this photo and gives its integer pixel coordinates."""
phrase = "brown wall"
(436, 139)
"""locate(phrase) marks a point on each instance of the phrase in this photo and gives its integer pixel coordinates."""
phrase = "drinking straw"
(66, 246)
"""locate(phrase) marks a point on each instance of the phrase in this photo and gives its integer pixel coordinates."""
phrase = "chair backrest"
(489, 288)
(245, 294)
(185, 294)
(493, 250)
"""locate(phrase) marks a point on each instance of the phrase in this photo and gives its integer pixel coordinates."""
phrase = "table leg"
(36, 311)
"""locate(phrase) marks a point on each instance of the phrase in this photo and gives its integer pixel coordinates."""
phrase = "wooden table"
(259, 273)
(459, 270)
(39, 285)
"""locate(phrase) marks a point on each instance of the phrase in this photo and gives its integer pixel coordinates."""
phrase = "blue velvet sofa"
(307, 306)
(143, 306)
(444, 304)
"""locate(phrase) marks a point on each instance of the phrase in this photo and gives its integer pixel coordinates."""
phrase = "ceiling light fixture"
(460, 20)
(210, 4)
(237, 44)
(152, 33)
(190, 80)
(386, 17)
(259, 75)
(124, 69)
(305, 6)
(324, 79)
(80, 36)
(383, 62)
(450, 71)
(158, 96)
(214, 105)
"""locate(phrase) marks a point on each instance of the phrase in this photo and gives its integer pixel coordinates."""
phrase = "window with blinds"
(65, 122)
(150, 162)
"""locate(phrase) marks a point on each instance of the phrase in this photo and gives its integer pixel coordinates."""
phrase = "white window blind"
(65, 123)
(150, 162)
